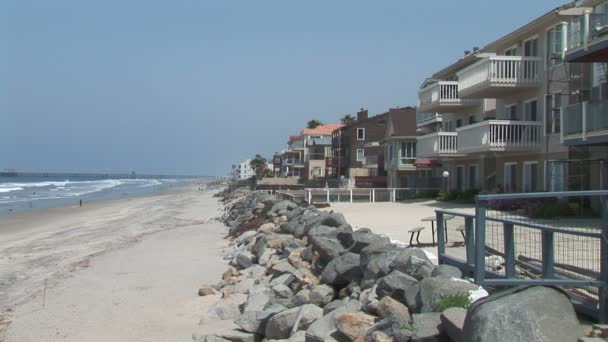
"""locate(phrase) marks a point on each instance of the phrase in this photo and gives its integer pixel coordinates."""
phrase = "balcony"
(371, 162)
(500, 136)
(500, 76)
(434, 145)
(294, 162)
(442, 97)
(587, 39)
(585, 122)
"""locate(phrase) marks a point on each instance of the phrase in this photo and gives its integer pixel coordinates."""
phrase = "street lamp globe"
(446, 174)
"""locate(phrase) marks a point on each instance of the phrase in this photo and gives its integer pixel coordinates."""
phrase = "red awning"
(427, 163)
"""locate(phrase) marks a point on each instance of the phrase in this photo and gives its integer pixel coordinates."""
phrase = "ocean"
(24, 193)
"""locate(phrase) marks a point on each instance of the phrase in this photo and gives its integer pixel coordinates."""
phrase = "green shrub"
(428, 193)
(460, 300)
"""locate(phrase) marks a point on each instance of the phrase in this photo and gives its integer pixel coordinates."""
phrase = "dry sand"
(108, 277)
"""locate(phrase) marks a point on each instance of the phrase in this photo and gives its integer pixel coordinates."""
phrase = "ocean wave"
(7, 189)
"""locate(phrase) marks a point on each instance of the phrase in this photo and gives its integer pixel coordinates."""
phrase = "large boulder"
(321, 329)
(342, 270)
(321, 295)
(281, 324)
(388, 307)
(379, 260)
(452, 320)
(395, 284)
(259, 246)
(328, 248)
(356, 241)
(447, 272)
(283, 205)
(432, 290)
(243, 260)
(354, 325)
(254, 321)
(523, 314)
(419, 268)
(428, 328)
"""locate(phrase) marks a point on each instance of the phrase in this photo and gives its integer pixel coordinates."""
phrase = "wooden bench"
(416, 231)
(461, 230)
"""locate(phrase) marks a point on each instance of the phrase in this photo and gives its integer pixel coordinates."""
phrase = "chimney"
(362, 114)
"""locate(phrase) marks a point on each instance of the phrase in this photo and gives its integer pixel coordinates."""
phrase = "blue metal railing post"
(603, 290)
(480, 240)
(548, 254)
(440, 235)
(469, 233)
(509, 248)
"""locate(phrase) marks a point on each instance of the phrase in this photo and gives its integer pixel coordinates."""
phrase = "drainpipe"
(586, 16)
(564, 39)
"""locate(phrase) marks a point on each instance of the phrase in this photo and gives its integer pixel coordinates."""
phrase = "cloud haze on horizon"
(192, 87)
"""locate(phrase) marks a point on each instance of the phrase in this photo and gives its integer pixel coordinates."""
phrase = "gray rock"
(447, 272)
(395, 284)
(523, 314)
(328, 248)
(301, 298)
(257, 302)
(288, 245)
(240, 287)
(452, 320)
(211, 338)
(379, 260)
(412, 298)
(307, 254)
(433, 289)
(244, 260)
(288, 227)
(227, 308)
(320, 295)
(388, 307)
(281, 324)
(282, 267)
(327, 231)
(369, 299)
(354, 325)
(283, 205)
(356, 241)
(282, 291)
(342, 270)
(334, 220)
(322, 328)
(255, 272)
(239, 336)
(266, 256)
(245, 238)
(259, 246)
(333, 305)
(285, 279)
(419, 268)
(255, 321)
(427, 327)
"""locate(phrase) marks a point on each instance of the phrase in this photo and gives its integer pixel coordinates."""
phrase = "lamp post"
(445, 175)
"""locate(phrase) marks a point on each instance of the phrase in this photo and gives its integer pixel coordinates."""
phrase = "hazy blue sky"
(194, 86)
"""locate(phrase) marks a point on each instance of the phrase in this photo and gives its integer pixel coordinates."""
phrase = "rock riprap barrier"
(300, 274)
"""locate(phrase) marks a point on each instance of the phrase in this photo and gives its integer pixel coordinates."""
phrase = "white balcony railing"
(442, 96)
(439, 144)
(492, 75)
(499, 135)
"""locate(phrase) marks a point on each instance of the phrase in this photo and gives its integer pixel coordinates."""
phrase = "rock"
(395, 284)
(239, 336)
(264, 260)
(379, 260)
(328, 248)
(334, 220)
(523, 314)
(342, 270)
(369, 299)
(227, 308)
(282, 267)
(322, 328)
(244, 260)
(211, 338)
(390, 307)
(255, 272)
(254, 321)
(287, 228)
(288, 245)
(419, 268)
(301, 298)
(295, 260)
(285, 279)
(427, 327)
(390, 327)
(307, 254)
(452, 320)
(256, 302)
(321, 295)
(268, 226)
(281, 324)
(230, 272)
(275, 240)
(356, 241)
(352, 290)
(433, 289)
(333, 305)
(379, 336)
(412, 298)
(282, 291)
(354, 325)
(240, 287)
(206, 291)
(447, 272)
(299, 336)
(283, 205)
(245, 238)
(305, 277)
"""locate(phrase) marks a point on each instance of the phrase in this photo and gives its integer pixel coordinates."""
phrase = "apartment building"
(585, 115)
(292, 161)
(357, 147)
(491, 119)
(317, 144)
(243, 170)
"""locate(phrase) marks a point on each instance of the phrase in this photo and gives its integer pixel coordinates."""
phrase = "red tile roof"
(322, 130)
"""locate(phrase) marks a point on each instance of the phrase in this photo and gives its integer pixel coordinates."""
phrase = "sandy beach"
(120, 270)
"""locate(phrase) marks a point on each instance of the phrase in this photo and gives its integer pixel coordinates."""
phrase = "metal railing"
(437, 144)
(353, 195)
(585, 118)
(512, 240)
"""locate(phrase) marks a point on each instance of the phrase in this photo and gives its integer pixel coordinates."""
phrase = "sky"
(192, 87)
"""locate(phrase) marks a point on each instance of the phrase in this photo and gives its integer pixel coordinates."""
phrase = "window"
(531, 47)
(458, 123)
(511, 51)
(511, 112)
(360, 133)
(408, 152)
(510, 177)
(360, 154)
(555, 176)
(555, 46)
(473, 177)
(575, 32)
(531, 110)
(553, 103)
(390, 152)
(530, 176)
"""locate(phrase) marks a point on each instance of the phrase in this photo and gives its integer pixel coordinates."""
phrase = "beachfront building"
(491, 119)
(317, 144)
(585, 117)
(357, 150)
(243, 170)
(402, 167)
(292, 158)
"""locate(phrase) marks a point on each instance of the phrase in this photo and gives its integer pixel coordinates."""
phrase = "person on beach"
(81, 202)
